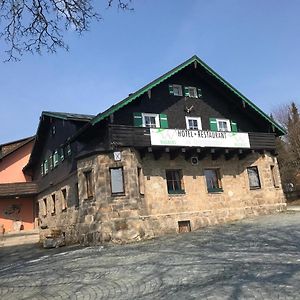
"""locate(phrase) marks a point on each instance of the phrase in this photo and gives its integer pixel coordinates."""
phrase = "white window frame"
(195, 91)
(223, 120)
(179, 87)
(157, 123)
(198, 119)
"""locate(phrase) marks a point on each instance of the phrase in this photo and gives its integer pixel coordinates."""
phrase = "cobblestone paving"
(252, 259)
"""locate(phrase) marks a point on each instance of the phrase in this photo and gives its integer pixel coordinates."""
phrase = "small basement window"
(64, 199)
(184, 226)
(174, 182)
(253, 176)
(213, 180)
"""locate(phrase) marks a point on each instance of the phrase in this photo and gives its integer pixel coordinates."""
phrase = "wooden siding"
(22, 189)
(121, 135)
(216, 102)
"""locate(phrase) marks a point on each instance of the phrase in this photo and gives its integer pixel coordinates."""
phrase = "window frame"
(181, 190)
(188, 90)
(157, 120)
(198, 119)
(88, 183)
(119, 193)
(217, 189)
(64, 204)
(179, 87)
(227, 122)
(252, 187)
(274, 175)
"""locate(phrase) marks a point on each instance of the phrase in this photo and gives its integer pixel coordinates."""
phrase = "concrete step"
(19, 238)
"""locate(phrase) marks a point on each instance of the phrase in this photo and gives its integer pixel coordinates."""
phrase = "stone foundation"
(146, 210)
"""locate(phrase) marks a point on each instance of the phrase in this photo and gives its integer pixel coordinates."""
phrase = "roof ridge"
(170, 73)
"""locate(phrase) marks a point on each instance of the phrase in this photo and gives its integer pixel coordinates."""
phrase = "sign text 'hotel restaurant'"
(198, 138)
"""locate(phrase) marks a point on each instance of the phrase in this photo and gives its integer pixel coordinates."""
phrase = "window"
(53, 130)
(174, 181)
(213, 180)
(45, 167)
(76, 195)
(62, 154)
(274, 176)
(51, 162)
(43, 207)
(223, 125)
(53, 208)
(88, 184)
(175, 89)
(193, 123)
(117, 181)
(190, 91)
(55, 159)
(141, 181)
(64, 199)
(68, 150)
(151, 120)
(254, 182)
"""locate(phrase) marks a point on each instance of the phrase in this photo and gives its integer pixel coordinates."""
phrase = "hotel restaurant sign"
(198, 138)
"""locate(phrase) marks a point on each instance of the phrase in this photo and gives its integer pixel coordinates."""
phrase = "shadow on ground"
(257, 258)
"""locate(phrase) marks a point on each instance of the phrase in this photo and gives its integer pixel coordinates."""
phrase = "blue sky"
(253, 44)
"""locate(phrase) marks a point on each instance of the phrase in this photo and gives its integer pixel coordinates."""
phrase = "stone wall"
(145, 209)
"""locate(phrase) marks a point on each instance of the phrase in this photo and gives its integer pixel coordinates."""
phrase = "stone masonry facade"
(145, 209)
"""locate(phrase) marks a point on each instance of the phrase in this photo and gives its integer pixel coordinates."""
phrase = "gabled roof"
(68, 116)
(193, 59)
(57, 115)
(10, 147)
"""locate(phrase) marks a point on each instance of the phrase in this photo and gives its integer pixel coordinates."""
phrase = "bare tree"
(39, 25)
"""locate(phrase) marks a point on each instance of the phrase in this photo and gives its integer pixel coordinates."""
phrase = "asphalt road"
(257, 258)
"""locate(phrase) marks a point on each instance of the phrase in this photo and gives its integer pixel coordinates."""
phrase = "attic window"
(192, 92)
(175, 89)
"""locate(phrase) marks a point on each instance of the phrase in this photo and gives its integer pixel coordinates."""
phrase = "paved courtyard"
(257, 258)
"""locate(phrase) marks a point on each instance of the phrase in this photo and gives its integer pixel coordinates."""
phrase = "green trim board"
(196, 60)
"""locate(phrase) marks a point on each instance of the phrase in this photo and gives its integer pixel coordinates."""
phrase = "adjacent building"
(186, 151)
(17, 191)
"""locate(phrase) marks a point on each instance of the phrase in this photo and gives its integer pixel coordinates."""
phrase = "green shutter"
(199, 93)
(163, 119)
(234, 126)
(186, 91)
(137, 119)
(171, 92)
(213, 124)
